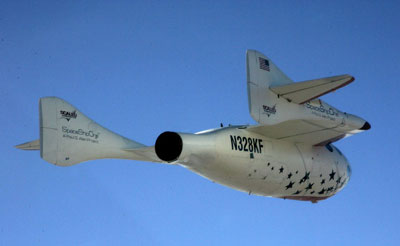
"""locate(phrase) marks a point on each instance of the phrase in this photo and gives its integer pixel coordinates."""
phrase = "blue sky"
(140, 68)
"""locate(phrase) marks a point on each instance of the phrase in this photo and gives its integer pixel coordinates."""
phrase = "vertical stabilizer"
(67, 136)
(262, 74)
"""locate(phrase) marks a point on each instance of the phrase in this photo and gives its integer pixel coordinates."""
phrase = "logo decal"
(269, 110)
(264, 64)
(68, 115)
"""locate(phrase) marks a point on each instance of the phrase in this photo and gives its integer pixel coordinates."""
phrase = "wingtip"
(33, 145)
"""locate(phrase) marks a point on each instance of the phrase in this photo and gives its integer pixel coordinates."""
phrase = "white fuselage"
(288, 154)
(254, 164)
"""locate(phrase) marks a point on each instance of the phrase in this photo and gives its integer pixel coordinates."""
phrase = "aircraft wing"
(302, 92)
(312, 132)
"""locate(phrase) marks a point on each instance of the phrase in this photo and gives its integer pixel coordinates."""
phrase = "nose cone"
(366, 126)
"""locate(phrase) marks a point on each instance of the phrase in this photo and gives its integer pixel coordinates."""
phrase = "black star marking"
(310, 185)
(323, 181)
(332, 175)
(290, 185)
(297, 172)
(297, 192)
(289, 175)
(322, 191)
(272, 168)
(338, 180)
(306, 176)
(281, 169)
(268, 164)
(329, 189)
(312, 192)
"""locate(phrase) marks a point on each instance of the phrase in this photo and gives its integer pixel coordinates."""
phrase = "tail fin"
(262, 74)
(69, 137)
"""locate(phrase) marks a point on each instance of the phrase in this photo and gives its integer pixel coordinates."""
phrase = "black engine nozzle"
(169, 146)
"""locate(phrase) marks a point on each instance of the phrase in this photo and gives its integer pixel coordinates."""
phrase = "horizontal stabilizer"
(302, 92)
(33, 145)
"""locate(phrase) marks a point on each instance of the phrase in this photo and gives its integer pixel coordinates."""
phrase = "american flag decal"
(264, 64)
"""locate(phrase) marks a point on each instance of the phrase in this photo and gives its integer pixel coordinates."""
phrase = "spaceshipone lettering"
(80, 132)
(81, 135)
(246, 144)
(322, 109)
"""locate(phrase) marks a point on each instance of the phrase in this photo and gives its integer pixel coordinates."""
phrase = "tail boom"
(68, 137)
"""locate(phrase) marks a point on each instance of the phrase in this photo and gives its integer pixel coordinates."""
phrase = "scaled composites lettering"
(321, 111)
(269, 110)
(80, 135)
(68, 115)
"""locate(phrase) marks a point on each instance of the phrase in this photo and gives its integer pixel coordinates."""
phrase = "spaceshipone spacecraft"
(289, 154)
